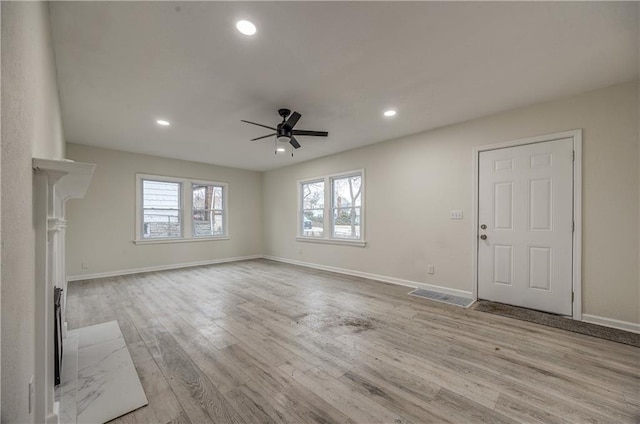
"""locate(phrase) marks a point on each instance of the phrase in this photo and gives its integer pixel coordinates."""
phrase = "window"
(346, 206)
(179, 209)
(162, 211)
(312, 208)
(339, 197)
(208, 210)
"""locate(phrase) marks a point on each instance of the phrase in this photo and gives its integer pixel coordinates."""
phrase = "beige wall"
(31, 126)
(413, 182)
(100, 227)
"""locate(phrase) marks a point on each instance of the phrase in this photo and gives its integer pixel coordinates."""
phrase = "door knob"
(483, 237)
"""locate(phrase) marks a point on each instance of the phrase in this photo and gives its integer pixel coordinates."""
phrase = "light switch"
(456, 214)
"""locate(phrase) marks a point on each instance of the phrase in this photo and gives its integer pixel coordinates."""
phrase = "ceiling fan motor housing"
(283, 134)
(284, 113)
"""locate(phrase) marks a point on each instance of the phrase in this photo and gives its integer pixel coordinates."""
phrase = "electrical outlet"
(431, 269)
(31, 394)
(455, 214)
(85, 265)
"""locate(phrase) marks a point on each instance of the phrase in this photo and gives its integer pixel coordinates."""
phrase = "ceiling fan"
(284, 131)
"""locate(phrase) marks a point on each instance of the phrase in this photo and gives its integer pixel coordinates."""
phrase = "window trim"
(327, 233)
(186, 210)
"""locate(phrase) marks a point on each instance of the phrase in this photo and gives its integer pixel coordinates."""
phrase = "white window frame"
(327, 233)
(186, 210)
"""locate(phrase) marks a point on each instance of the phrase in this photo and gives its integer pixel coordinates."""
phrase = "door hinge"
(572, 296)
(573, 226)
(574, 156)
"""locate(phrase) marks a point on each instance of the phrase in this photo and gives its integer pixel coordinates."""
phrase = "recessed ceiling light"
(163, 122)
(246, 27)
(389, 113)
(281, 149)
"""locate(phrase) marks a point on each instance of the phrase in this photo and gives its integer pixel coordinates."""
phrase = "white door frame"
(576, 135)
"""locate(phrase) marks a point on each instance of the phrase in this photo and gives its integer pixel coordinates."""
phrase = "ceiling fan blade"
(260, 125)
(294, 143)
(292, 121)
(264, 136)
(307, 132)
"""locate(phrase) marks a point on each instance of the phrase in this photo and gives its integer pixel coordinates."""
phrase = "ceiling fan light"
(284, 139)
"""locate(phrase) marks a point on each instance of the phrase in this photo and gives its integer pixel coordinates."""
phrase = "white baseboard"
(613, 323)
(377, 277)
(158, 268)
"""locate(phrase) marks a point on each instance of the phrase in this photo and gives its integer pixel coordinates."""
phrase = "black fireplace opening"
(57, 333)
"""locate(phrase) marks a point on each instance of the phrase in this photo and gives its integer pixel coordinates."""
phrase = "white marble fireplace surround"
(54, 182)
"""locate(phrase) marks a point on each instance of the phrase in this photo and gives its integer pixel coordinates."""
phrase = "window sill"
(180, 240)
(356, 243)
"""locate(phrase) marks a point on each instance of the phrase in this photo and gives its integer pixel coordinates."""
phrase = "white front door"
(525, 219)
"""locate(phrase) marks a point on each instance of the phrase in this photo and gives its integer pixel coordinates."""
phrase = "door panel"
(503, 269)
(503, 207)
(541, 205)
(540, 268)
(525, 198)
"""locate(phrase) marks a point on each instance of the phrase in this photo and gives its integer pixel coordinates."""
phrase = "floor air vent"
(465, 302)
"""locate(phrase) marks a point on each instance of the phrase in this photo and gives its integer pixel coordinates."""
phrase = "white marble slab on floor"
(98, 333)
(108, 383)
(67, 390)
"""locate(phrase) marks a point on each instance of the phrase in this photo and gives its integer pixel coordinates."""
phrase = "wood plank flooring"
(264, 342)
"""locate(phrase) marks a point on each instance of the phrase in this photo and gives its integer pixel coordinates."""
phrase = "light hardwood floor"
(264, 342)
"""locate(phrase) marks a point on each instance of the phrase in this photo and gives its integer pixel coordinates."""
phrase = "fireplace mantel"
(71, 179)
(54, 182)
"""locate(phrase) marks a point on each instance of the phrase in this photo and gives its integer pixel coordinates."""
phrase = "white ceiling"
(123, 65)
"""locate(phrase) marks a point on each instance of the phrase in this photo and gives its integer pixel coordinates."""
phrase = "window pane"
(160, 195)
(347, 191)
(217, 197)
(161, 209)
(313, 223)
(313, 195)
(207, 223)
(199, 195)
(346, 223)
(207, 210)
(207, 196)
(161, 223)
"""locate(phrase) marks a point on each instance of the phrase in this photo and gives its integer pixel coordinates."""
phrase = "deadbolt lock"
(483, 226)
